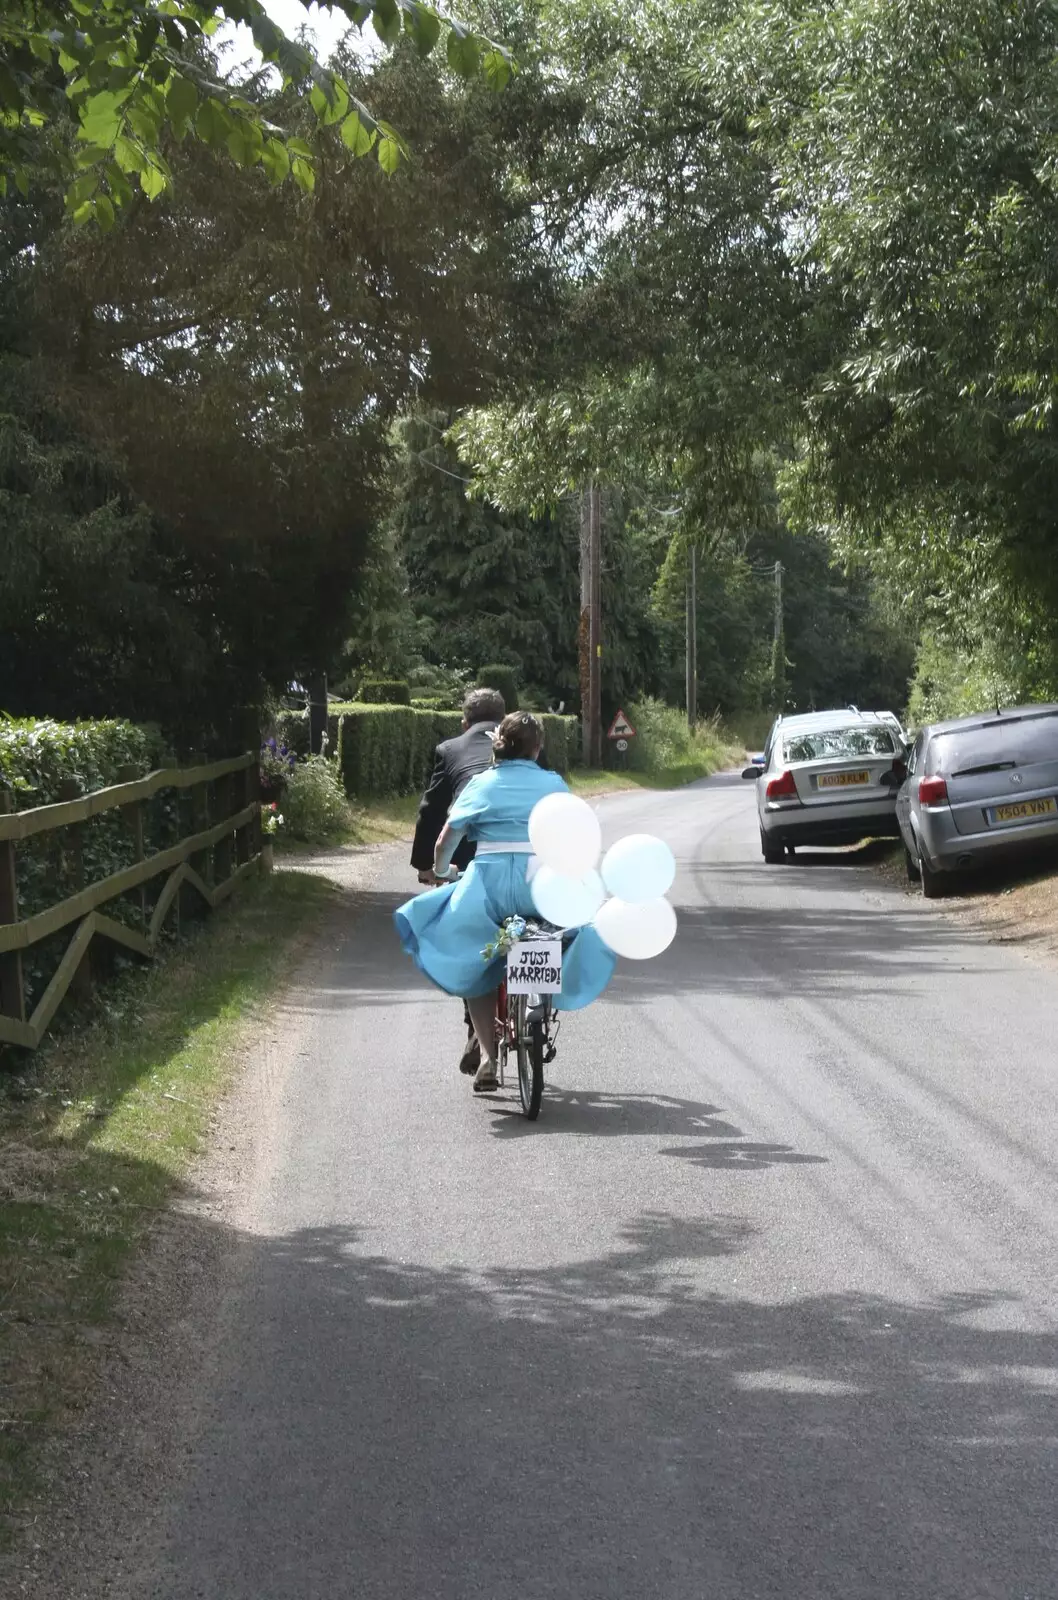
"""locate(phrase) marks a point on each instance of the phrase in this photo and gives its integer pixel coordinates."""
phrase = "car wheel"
(772, 852)
(932, 882)
(912, 866)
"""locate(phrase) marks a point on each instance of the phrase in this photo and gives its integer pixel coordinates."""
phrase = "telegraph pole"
(589, 641)
(778, 649)
(692, 638)
(584, 626)
(317, 687)
(595, 629)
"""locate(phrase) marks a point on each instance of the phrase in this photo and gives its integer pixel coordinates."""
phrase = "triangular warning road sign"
(621, 728)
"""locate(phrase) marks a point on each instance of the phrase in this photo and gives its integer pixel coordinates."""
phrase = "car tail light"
(931, 791)
(782, 788)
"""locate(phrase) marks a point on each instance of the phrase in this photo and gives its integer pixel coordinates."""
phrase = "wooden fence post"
(317, 713)
(242, 800)
(222, 850)
(191, 904)
(70, 789)
(253, 797)
(135, 820)
(202, 860)
(12, 989)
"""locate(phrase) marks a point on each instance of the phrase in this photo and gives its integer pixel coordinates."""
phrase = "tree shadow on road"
(603, 1115)
(627, 1424)
(582, 1113)
(743, 1155)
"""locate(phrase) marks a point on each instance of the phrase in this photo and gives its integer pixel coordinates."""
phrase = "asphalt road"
(763, 1306)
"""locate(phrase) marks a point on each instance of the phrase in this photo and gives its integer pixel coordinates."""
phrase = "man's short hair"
(483, 705)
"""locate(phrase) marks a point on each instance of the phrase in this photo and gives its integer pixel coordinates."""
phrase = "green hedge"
(292, 729)
(496, 676)
(38, 756)
(560, 742)
(389, 750)
(384, 692)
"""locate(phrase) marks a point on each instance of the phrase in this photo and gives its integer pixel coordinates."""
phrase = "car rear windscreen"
(991, 746)
(837, 744)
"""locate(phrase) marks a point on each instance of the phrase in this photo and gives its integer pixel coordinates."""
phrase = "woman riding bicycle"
(446, 930)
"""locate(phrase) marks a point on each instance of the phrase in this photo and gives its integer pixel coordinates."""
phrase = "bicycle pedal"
(549, 1055)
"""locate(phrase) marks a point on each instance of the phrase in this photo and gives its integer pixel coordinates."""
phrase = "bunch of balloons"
(571, 890)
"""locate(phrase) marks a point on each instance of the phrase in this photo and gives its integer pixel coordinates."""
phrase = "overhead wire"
(458, 476)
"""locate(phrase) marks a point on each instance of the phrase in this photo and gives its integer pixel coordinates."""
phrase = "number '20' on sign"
(535, 967)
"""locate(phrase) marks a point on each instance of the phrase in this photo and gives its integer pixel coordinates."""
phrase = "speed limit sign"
(622, 744)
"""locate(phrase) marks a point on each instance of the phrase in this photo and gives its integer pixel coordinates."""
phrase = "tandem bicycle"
(527, 1022)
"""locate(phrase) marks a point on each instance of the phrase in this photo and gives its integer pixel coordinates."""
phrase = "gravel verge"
(109, 1475)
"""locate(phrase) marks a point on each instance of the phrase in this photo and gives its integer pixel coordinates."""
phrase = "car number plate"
(534, 966)
(1024, 810)
(842, 780)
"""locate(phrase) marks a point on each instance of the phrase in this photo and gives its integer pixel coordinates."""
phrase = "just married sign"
(535, 967)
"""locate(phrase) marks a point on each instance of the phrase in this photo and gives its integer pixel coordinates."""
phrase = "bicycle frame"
(514, 1012)
(506, 1029)
(530, 1031)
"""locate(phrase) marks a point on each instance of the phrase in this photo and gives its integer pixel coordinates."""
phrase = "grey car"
(978, 789)
(827, 778)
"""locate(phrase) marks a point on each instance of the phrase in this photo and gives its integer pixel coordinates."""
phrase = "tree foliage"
(197, 404)
(238, 423)
(916, 146)
(488, 585)
(95, 91)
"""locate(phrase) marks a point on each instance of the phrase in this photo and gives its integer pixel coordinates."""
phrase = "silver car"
(979, 788)
(828, 778)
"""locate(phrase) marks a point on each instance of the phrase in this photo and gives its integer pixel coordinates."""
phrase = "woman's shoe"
(471, 1057)
(486, 1081)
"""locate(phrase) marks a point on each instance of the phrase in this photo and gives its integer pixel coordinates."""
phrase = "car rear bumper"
(951, 851)
(812, 825)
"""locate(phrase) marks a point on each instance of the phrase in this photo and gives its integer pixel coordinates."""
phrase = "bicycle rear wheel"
(530, 1036)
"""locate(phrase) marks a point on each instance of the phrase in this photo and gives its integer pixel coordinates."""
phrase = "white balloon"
(564, 833)
(636, 931)
(639, 868)
(567, 902)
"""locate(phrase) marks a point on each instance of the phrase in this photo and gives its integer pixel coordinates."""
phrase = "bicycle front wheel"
(530, 1036)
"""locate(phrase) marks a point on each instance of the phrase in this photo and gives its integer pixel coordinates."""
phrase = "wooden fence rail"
(223, 850)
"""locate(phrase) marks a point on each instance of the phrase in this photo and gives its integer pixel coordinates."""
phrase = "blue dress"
(445, 930)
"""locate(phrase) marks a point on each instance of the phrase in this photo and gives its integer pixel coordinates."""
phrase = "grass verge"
(96, 1134)
(385, 821)
(381, 822)
(1013, 902)
(583, 782)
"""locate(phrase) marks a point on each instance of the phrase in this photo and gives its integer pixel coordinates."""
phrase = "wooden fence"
(223, 849)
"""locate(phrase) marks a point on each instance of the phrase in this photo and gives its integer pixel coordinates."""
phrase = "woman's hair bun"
(518, 737)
